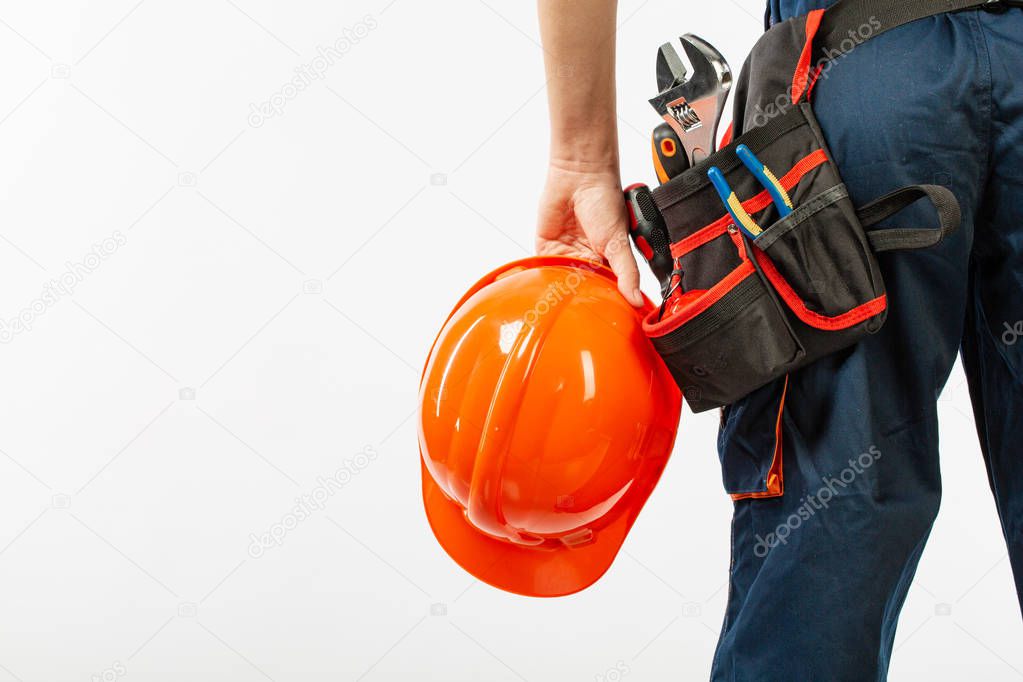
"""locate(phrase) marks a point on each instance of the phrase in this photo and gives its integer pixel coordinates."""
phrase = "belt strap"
(847, 18)
(905, 237)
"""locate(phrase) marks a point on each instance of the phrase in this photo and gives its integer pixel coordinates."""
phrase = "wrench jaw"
(709, 64)
(671, 71)
(692, 106)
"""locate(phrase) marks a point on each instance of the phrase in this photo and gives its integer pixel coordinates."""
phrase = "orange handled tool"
(670, 158)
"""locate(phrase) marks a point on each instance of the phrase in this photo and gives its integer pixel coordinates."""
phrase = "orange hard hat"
(545, 419)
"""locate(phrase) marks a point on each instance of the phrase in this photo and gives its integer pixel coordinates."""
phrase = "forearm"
(579, 58)
(582, 213)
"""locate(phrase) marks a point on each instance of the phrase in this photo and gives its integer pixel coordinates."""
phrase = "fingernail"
(637, 297)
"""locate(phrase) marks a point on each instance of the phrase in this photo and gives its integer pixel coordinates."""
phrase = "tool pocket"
(714, 354)
(819, 260)
(729, 331)
(823, 254)
(788, 286)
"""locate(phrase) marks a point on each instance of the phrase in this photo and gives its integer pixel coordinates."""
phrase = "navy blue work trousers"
(820, 573)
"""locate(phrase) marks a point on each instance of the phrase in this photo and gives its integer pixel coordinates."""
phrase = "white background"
(264, 322)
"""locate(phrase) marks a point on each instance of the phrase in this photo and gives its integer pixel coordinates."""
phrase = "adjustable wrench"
(692, 105)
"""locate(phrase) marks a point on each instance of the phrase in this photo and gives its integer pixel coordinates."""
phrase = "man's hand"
(582, 214)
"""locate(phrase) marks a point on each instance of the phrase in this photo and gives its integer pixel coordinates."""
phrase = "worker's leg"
(993, 339)
(819, 574)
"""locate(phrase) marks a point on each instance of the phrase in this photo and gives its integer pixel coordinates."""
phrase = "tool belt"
(809, 283)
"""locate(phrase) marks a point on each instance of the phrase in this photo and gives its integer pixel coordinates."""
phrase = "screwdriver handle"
(669, 155)
(649, 232)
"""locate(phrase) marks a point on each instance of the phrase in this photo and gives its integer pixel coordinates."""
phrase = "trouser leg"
(993, 338)
(860, 447)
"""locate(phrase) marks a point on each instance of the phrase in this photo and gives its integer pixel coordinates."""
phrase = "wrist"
(586, 144)
(588, 158)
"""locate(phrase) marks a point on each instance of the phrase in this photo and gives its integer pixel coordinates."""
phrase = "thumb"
(619, 256)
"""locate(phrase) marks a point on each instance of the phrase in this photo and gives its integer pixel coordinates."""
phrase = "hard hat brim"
(531, 572)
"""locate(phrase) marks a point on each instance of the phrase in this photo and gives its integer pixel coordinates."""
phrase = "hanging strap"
(906, 237)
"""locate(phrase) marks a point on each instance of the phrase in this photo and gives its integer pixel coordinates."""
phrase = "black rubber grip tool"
(649, 233)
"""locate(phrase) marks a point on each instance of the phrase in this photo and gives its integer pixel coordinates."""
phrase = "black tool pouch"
(809, 284)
